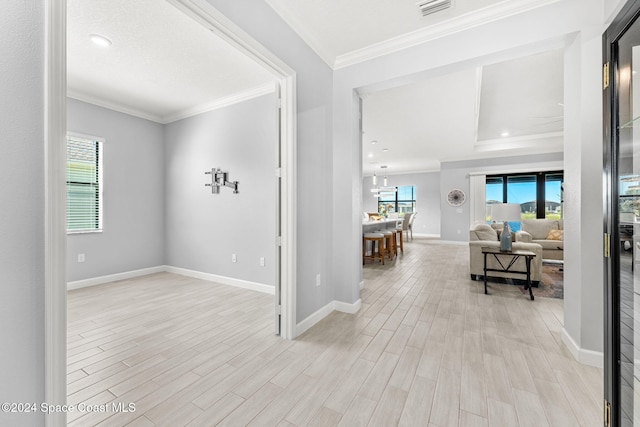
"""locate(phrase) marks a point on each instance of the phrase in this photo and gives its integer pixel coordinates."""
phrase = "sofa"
(483, 235)
(548, 233)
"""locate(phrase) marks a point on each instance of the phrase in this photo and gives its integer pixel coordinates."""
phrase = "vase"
(505, 238)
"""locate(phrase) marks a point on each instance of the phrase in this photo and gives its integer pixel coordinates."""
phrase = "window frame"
(541, 180)
(99, 182)
(397, 201)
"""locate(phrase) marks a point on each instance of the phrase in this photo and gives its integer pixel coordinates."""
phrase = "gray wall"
(133, 191)
(22, 214)
(315, 207)
(427, 184)
(455, 220)
(202, 229)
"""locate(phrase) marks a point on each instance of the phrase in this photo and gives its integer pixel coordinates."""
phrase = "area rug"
(551, 285)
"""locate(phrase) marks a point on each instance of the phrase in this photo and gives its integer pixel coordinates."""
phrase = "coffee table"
(506, 260)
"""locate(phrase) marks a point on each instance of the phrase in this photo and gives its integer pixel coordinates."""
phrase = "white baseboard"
(312, 319)
(586, 357)
(344, 307)
(323, 312)
(169, 269)
(222, 280)
(78, 284)
(428, 235)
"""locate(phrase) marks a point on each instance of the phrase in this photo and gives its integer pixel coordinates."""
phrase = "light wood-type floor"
(428, 348)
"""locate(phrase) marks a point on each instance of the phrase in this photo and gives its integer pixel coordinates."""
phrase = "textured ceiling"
(161, 65)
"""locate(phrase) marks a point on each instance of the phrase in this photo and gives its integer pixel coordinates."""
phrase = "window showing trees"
(84, 184)
(539, 194)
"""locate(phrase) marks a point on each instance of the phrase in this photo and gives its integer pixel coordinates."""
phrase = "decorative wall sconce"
(220, 179)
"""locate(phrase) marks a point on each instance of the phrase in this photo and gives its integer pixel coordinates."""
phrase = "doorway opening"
(56, 128)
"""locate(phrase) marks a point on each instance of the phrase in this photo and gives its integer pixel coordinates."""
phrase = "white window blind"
(84, 184)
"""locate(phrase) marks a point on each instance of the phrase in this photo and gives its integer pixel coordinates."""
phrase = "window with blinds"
(84, 184)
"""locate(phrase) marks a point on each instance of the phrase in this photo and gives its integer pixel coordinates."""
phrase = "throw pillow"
(555, 235)
(485, 232)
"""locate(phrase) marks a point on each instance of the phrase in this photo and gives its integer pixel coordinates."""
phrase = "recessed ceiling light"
(504, 133)
(374, 142)
(370, 155)
(385, 149)
(101, 41)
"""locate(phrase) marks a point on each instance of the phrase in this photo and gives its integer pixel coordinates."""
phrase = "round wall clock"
(456, 197)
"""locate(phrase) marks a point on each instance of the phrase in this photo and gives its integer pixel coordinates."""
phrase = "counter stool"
(374, 238)
(390, 240)
(399, 233)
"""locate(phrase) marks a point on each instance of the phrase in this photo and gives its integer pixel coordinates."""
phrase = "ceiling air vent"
(427, 7)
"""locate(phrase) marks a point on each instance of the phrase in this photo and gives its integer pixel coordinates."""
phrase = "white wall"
(315, 206)
(22, 214)
(455, 220)
(133, 191)
(427, 184)
(203, 229)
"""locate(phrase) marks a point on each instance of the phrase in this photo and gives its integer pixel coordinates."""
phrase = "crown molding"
(300, 28)
(186, 113)
(221, 103)
(464, 22)
(519, 142)
(121, 108)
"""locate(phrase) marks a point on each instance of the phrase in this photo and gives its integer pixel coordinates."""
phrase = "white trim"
(314, 318)
(229, 281)
(323, 312)
(186, 113)
(474, 18)
(519, 142)
(302, 30)
(344, 307)
(121, 108)
(55, 226)
(223, 280)
(586, 357)
(221, 103)
(100, 280)
(550, 166)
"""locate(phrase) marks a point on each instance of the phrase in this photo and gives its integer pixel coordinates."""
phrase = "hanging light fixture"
(384, 189)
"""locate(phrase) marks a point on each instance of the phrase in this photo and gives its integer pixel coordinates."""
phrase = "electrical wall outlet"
(234, 258)
(261, 261)
(80, 257)
(318, 281)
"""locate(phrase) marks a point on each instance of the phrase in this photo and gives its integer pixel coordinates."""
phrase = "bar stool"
(390, 241)
(374, 238)
(399, 233)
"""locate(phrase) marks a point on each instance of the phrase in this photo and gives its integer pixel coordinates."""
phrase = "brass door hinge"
(607, 245)
(605, 75)
(607, 414)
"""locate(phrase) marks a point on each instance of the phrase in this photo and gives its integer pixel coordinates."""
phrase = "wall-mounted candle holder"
(220, 179)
